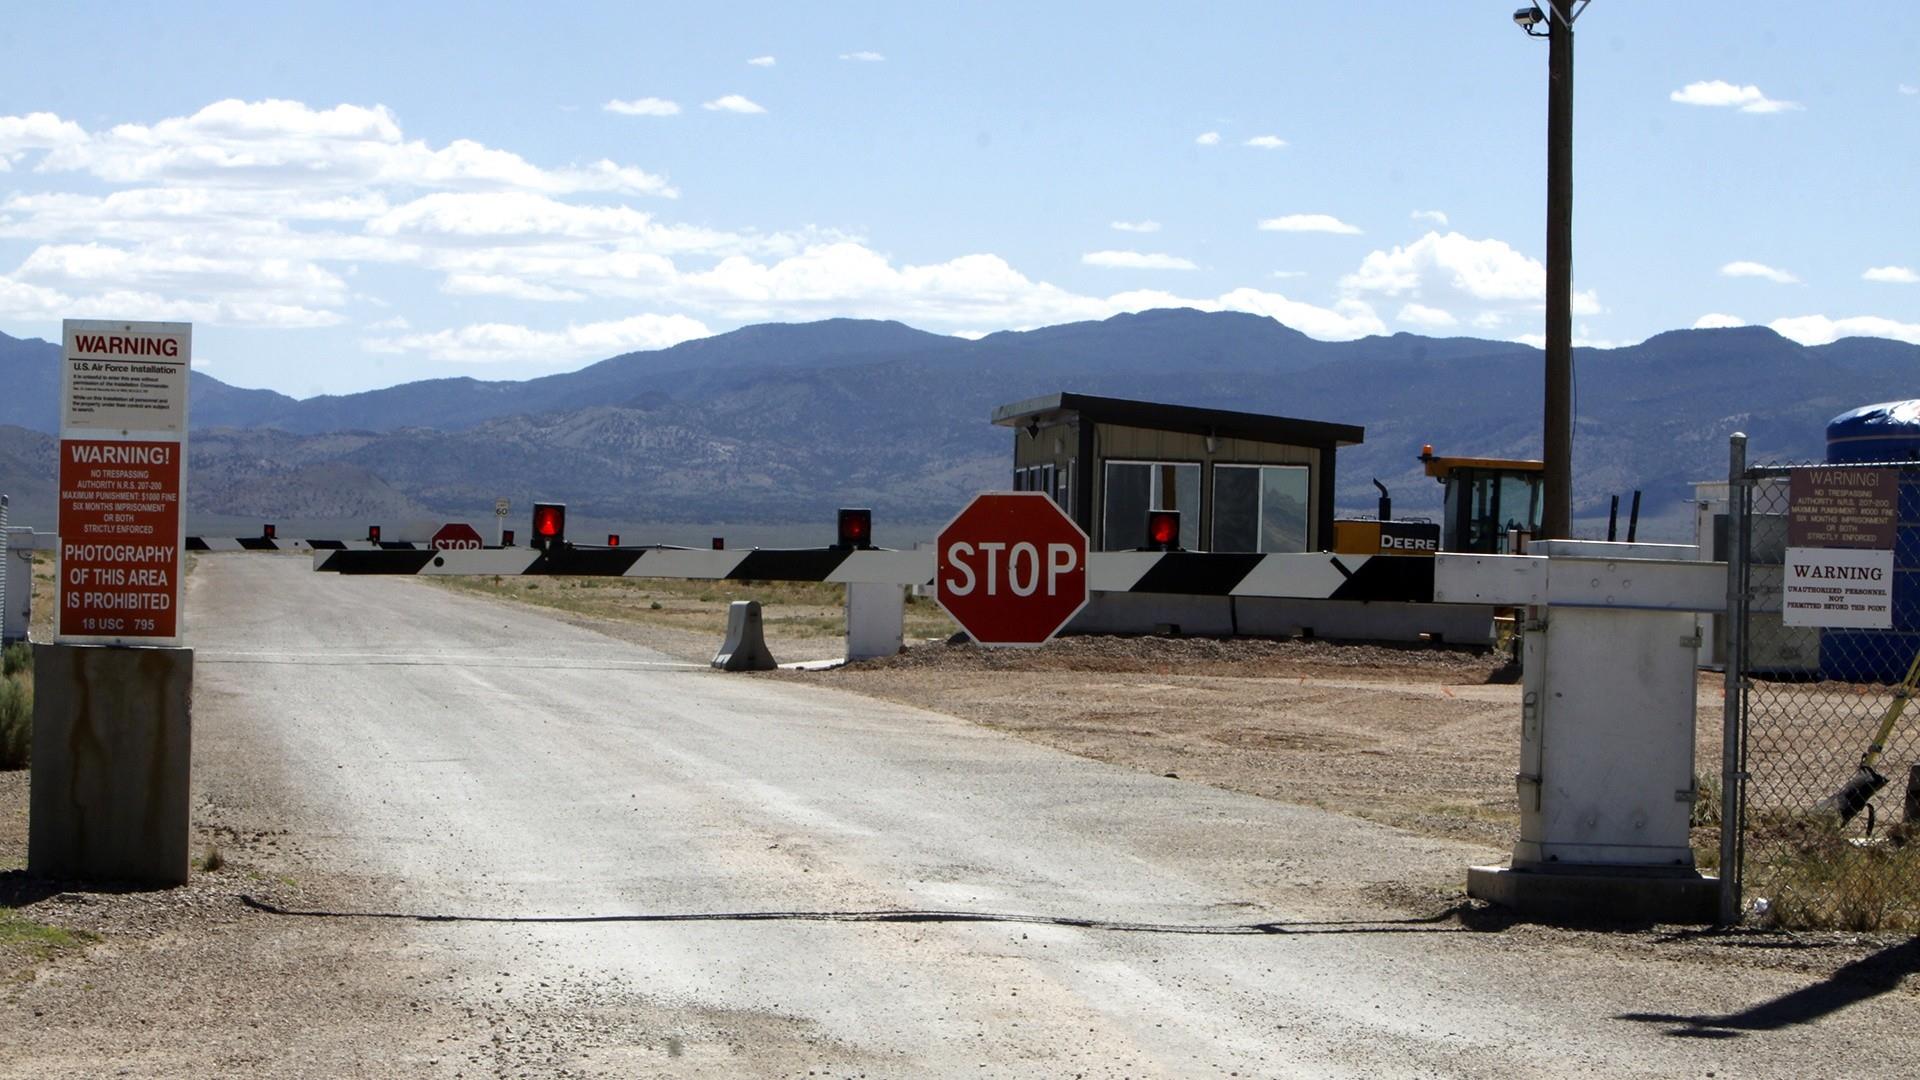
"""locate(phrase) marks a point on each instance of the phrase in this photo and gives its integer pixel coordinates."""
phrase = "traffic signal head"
(266, 532)
(506, 537)
(373, 534)
(549, 525)
(613, 539)
(1163, 530)
(855, 529)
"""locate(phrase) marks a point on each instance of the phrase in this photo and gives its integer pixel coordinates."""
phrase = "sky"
(347, 196)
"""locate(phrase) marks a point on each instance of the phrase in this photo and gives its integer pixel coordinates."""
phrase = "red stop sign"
(457, 536)
(1011, 568)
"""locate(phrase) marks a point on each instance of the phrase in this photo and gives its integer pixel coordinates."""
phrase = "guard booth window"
(1260, 508)
(1135, 487)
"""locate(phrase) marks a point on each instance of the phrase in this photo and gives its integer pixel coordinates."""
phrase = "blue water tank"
(1888, 432)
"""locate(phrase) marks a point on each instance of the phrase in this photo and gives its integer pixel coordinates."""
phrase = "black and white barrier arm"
(261, 543)
(1313, 575)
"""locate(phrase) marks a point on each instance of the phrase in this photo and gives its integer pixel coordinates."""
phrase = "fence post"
(1730, 772)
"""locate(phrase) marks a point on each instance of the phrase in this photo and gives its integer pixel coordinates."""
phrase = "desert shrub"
(16, 721)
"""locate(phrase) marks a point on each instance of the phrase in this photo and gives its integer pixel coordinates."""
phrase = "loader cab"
(1489, 502)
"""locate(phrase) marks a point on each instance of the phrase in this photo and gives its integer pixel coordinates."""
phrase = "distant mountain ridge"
(779, 422)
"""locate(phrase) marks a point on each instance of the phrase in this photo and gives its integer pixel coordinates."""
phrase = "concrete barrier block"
(112, 757)
(745, 648)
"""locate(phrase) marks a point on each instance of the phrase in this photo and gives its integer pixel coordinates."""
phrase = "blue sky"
(343, 196)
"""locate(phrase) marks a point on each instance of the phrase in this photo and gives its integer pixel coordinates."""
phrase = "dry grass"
(795, 609)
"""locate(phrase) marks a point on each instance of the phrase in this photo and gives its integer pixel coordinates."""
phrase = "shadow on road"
(1866, 978)
(1428, 924)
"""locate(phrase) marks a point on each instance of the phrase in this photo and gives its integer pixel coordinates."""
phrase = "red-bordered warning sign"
(119, 539)
(122, 477)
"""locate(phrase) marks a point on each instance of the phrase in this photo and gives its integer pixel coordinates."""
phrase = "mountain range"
(781, 422)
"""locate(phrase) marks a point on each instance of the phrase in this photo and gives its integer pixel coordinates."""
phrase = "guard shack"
(1241, 481)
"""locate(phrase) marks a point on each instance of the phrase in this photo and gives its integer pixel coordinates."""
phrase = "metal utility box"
(1242, 482)
(1606, 737)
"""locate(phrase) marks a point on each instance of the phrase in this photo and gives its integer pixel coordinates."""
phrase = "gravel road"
(491, 843)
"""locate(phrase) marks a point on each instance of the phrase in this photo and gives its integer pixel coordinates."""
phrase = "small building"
(1241, 481)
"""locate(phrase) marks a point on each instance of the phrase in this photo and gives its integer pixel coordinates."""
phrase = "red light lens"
(1163, 527)
(856, 528)
(373, 533)
(613, 539)
(546, 522)
(267, 531)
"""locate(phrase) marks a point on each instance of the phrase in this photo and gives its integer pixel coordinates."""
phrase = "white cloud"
(1820, 330)
(864, 56)
(1580, 341)
(763, 61)
(83, 266)
(1909, 89)
(1436, 217)
(501, 285)
(646, 106)
(1346, 320)
(501, 342)
(287, 144)
(1891, 275)
(1288, 274)
(1454, 273)
(1266, 142)
(1137, 226)
(1303, 223)
(524, 218)
(1720, 94)
(1136, 260)
(733, 103)
(397, 322)
(37, 131)
(1207, 138)
(1476, 269)
(1430, 318)
(1715, 320)
(1745, 268)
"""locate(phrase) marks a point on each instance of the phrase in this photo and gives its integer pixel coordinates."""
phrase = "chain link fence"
(1830, 750)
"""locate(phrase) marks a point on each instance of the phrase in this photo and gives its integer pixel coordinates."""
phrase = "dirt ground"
(1418, 738)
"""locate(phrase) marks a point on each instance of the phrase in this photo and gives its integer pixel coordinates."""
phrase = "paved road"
(780, 878)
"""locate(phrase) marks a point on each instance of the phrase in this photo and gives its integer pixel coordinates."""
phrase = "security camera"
(1529, 17)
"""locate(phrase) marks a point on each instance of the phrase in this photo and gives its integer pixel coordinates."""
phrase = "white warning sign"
(1850, 587)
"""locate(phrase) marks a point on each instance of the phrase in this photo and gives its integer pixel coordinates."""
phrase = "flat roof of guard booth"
(1091, 434)
(1220, 423)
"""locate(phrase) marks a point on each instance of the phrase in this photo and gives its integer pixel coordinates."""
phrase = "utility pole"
(1557, 438)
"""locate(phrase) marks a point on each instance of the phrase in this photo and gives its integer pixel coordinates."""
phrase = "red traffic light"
(373, 534)
(1163, 530)
(506, 537)
(613, 539)
(855, 530)
(719, 543)
(267, 532)
(549, 524)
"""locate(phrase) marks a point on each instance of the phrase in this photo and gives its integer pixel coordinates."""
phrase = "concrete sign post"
(112, 725)
(1011, 568)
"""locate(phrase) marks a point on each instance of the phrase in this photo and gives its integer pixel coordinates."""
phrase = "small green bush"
(16, 722)
(18, 658)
